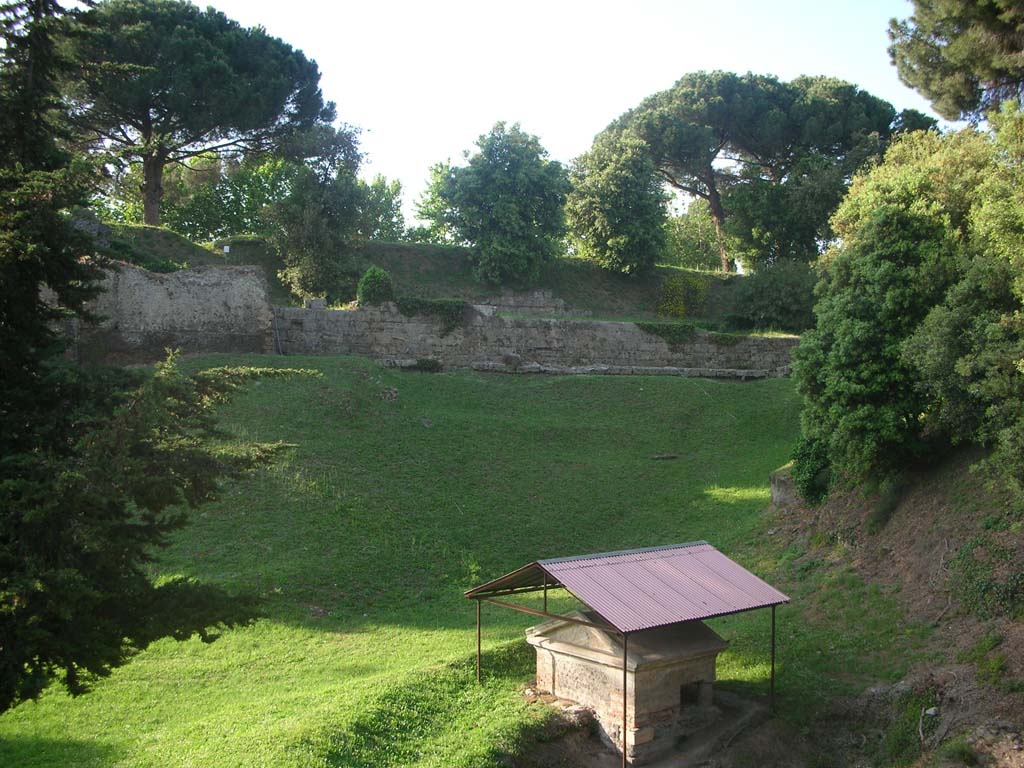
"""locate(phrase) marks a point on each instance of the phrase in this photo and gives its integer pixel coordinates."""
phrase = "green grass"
(402, 490)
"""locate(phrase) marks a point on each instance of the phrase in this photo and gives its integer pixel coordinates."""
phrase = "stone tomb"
(669, 674)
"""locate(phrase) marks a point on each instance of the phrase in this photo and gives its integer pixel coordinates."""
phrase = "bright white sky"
(424, 79)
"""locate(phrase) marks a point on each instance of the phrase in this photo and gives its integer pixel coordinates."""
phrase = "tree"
(968, 350)
(316, 234)
(712, 132)
(381, 210)
(965, 56)
(92, 462)
(903, 234)
(163, 81)
(507, 202)
(616, 207)
(691, 238)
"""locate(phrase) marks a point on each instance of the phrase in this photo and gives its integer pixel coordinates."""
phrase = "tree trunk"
(152, 188)
(718, 216)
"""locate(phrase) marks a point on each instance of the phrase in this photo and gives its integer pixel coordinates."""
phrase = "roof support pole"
(478, 641)
(771, 690)
(625, 699)
(545, 593)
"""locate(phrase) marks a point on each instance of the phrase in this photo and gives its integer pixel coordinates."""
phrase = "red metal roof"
(645, 588)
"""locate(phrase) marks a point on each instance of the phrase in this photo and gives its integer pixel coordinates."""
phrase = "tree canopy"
(163, 81)
(759, 145)
(880, 373)
(507, 203)
(965, 56)
(94, 463)
(616, 208)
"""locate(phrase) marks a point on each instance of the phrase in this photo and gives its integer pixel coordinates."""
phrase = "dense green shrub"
(451, 312)
(779, 295)
(674, 334)
(375, 287)
(683, 294)
(903, 231)
(810, 470)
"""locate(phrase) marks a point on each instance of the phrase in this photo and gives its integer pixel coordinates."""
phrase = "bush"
(778, 296)
(375, 288)
(810, 472)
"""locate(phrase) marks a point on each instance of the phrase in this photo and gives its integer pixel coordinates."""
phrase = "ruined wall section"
(205, 309)
(525, 345)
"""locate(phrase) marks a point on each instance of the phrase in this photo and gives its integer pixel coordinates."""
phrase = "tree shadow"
(21, 750)
(184, 607)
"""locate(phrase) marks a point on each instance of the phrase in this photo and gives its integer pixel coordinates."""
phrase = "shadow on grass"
(29, 751)
(184, 607)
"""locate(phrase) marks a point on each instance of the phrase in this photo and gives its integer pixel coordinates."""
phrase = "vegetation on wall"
(779, 295)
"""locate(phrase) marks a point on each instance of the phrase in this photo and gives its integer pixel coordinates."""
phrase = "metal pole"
(625, 651)
(771, 693)
(478, 641)
(545, 593)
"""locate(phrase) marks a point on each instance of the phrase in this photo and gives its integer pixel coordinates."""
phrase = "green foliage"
(676, 334)
(810, 472)
(451, 312)
(958, 749)
(691, 239)
(904, 229)
(963, 56)
(317, 236)
(791, 147)
(616, 208)
(779, 295)
(120, 466)
(507, 202)
(901, 741)
(381, 210)
(988, 578)
(203, 83)
(375, 288)
(683, 294)
(969, 348)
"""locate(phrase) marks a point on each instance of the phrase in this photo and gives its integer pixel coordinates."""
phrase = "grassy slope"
(360, 542)
(435, 271)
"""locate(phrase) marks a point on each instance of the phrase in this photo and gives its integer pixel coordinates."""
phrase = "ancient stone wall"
(205, 309)
(540, 301)
(525, 345)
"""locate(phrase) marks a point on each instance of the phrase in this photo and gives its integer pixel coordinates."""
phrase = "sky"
(423, 80)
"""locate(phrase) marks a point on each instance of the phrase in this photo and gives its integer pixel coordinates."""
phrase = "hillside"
(433, 271)
(951, 552)
(396, 492)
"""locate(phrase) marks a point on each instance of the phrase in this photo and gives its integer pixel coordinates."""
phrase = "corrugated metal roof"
(645, 588)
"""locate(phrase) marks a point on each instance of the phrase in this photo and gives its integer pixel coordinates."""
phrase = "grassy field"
(399, 491)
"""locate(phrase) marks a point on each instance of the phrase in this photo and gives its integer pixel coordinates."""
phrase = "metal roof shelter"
(639, 589)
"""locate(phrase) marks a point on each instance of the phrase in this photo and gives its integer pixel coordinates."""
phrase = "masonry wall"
(525, 344)
(205, 309)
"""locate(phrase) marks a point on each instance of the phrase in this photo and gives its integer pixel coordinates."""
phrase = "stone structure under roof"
(669, 676)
